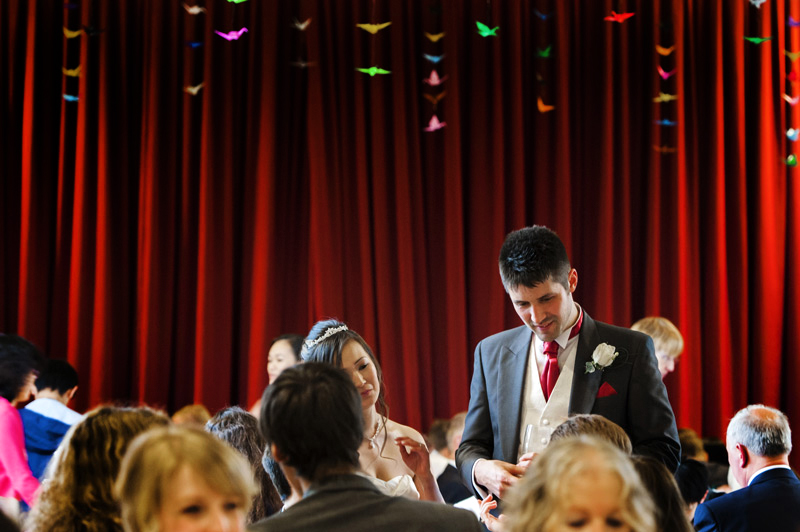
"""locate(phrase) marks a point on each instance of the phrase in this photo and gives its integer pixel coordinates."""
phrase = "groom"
(524, 385)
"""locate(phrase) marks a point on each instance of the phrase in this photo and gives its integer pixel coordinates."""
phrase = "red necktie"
(550, 373)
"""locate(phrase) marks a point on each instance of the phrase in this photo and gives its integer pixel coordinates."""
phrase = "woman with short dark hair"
(20, 361)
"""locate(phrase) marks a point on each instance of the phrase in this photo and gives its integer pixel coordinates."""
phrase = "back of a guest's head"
(57, 375)
(195, 415)
(325, 343)
(7, 524)
(583, 475)
(276, 475)
(455, 430)
(180, 463)
(659, 482)
(437, 434)
(312, 414)
(692, 480)
(18, 359)
(763, 430)
(667, 339)
(531, 256)
(691, 445)
(239, 429)
(593, 425)
(78, 493)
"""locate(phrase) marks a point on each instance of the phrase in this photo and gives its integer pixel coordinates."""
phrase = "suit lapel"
(513, 368)
(585, 385)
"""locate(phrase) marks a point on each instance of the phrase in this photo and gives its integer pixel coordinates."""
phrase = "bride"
(392, 453)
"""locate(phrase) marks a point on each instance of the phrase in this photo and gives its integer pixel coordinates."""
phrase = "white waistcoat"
(540, 417)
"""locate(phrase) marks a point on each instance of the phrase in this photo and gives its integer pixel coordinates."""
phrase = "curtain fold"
(159, 240)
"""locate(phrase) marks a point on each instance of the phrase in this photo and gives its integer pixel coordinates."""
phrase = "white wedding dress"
(400, 486)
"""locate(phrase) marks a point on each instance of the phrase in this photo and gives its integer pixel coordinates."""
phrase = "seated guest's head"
(20, 362)
(758, 436)
(193, 415)
(311, 417)
(692, 480)
(181, 478)
(7, 524)
(691, 445)
(283, 353)
(78, 492)
(659, 482)
(580, 482)
(593, 425)
(437, 434)
(276, 475)
(455, 430)
(667, 339)
(239, 429)
(58, 380)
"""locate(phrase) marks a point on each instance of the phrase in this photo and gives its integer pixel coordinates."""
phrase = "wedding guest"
(77, 495)
(593, 425)
(393, 454)
(286, 482)
(667, 339)
(7, 524)
(529, 379)
(580, 483)
(449, 480)
(20, 361)
(670, 511)
(239, 429)
(195, 415)
(48, 418)
(759, 441)
(182, 479)
(692, 480)
(436, 440)
(284, 352)
(312, 418)
(693, 448)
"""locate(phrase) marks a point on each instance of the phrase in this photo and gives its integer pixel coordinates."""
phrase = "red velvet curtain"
(159, 240)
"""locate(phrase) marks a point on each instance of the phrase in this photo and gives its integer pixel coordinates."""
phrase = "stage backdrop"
(194, 189)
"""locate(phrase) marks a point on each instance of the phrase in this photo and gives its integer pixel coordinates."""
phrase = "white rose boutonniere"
(602, 357)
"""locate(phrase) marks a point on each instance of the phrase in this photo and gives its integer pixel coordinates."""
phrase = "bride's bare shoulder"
(397, 430)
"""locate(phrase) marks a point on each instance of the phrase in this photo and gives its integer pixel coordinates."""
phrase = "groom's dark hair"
(531, 256)
(312, 414)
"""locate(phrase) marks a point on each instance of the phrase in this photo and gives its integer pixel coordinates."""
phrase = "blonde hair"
(156, 457)
(532, 504)
(196, 415)
(78, 494)
(666, 337)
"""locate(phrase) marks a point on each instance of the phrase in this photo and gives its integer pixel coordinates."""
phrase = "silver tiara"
(328, 333)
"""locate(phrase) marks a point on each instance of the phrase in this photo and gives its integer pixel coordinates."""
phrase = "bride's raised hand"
(415, 455)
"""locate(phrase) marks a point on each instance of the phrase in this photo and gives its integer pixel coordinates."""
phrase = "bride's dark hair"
(325, 343)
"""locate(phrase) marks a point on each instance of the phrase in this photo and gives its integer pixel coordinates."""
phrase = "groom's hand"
(497, 476)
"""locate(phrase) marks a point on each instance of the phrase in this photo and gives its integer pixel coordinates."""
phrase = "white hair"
(763, 430)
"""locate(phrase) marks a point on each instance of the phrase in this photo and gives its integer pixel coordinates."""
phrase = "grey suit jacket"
(638, 404)
(350, 503)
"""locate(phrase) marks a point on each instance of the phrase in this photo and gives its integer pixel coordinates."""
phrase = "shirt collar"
(564, 337)
(768, 468)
